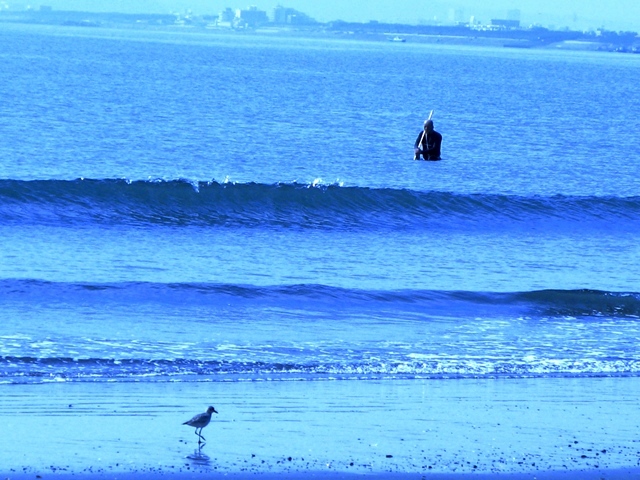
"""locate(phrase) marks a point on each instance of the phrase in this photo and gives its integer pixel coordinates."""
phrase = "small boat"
(397, 39)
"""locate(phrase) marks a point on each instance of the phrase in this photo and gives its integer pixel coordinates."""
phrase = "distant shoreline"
(374, 32)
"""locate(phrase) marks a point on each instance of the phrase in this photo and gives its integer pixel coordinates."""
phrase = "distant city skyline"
(574, 14)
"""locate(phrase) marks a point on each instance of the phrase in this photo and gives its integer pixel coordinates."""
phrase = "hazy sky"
(575, 14)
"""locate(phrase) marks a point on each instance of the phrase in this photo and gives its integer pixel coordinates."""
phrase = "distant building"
(290, 16)
(456, 16)
(252, 17)
(226, 16)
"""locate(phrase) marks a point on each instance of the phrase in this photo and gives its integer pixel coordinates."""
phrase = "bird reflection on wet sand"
(199, 458)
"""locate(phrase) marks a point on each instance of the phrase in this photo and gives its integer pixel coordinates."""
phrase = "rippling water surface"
(211, 207)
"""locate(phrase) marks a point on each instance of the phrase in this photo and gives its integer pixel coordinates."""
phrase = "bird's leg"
(201, 439)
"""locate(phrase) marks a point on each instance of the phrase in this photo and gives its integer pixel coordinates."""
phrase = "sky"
(614, 15)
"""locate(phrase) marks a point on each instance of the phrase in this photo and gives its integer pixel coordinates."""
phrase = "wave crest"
(293, 205)
(563, 303)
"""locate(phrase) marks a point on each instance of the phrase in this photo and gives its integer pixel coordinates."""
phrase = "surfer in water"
(428, 143)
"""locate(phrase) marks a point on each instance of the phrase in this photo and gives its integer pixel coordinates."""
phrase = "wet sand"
(443, 429)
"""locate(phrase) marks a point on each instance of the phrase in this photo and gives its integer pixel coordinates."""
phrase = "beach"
(237, 221)
(514, 428)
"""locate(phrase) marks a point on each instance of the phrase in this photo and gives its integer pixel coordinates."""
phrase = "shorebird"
(200, 421)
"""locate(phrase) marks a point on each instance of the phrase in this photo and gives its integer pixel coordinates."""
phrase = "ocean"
(206, 207)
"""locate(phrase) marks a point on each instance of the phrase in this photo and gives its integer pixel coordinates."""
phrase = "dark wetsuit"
(429, 145)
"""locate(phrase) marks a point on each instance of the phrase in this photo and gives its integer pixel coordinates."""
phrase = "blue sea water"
(208, 207)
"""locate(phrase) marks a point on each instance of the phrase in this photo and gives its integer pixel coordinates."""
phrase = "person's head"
(428, 126)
